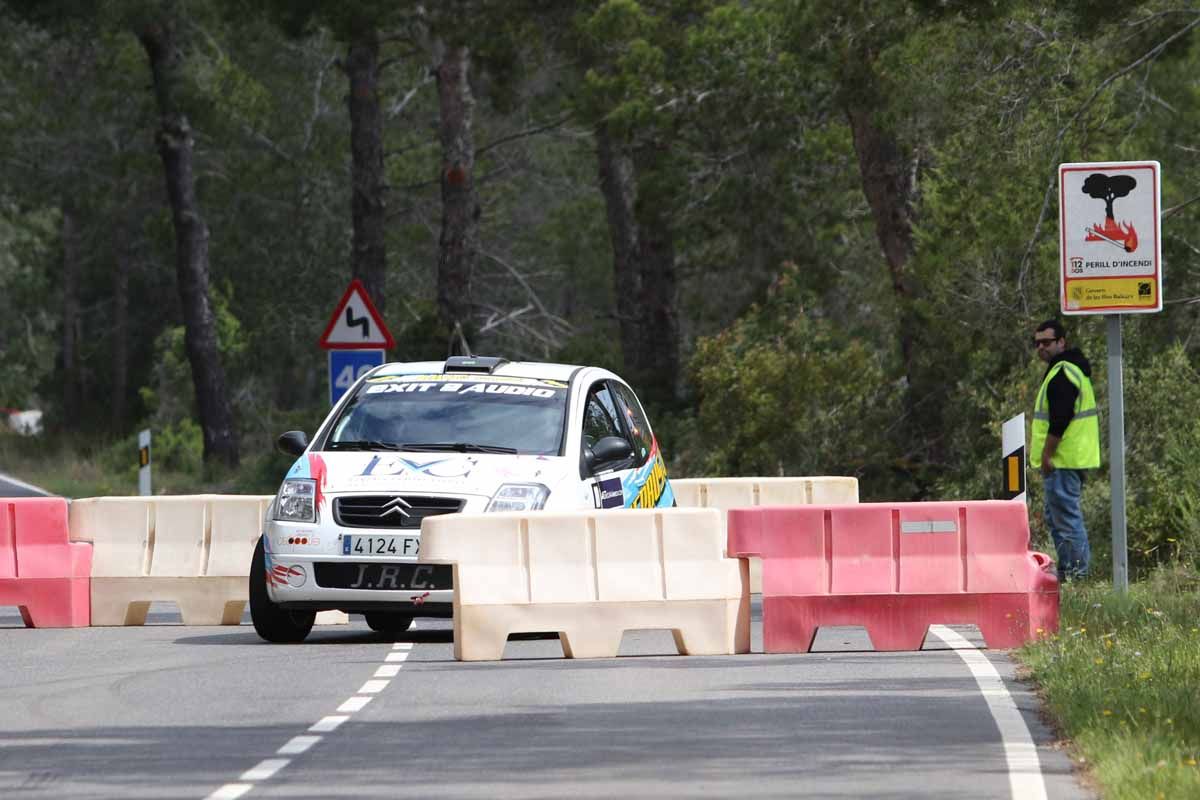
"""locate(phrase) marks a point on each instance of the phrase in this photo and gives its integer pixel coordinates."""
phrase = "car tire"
(273, 623)
(388, 622)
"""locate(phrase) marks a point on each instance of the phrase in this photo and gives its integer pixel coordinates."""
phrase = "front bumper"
(295, 552)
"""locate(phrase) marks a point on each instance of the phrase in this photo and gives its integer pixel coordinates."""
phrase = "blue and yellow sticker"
(648, 486)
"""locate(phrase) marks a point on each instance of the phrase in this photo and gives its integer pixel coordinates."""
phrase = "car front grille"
(390, 511)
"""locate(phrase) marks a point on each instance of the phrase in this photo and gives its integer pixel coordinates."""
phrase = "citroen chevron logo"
(393, 506)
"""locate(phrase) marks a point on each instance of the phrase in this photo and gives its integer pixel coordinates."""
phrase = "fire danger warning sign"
(1110, 237)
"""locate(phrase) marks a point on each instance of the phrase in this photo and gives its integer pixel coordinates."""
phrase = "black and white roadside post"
(355, 339)
(1012, 443)
(144, 463)
(1112, 265)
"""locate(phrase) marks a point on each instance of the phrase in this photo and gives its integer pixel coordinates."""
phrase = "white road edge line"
(1025, 779)
(39, 491)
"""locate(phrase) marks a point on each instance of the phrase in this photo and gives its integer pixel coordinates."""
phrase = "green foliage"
(170, 397)
(27, 327)
(783, 392)
(1122, 680)
(1162, 434)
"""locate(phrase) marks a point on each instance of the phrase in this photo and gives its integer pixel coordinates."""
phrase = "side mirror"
(609, 449)
(292, 443)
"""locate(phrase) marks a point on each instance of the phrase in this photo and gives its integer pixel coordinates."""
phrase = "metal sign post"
(1116, 452)
(1110, 242)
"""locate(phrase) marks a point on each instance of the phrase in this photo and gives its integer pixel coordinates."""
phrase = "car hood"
(448, 473)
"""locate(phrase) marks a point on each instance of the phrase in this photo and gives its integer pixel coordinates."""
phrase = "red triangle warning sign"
(356, 324)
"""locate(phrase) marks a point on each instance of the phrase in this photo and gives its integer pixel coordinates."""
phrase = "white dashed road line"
(265, 769)
(353, 704)
(298, 745)
(1025, 779)
(327, 724)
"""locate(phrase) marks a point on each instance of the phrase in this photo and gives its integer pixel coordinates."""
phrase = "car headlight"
(519, 497)
(297, 501)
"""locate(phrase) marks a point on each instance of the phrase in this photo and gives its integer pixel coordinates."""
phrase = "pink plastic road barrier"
(895, 569)
(41, 572)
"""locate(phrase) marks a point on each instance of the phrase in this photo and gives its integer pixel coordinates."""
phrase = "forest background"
(815, 236)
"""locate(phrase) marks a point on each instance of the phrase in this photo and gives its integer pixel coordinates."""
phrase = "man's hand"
(1048, 451)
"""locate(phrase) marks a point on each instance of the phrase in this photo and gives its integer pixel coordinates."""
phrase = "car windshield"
(462, 413)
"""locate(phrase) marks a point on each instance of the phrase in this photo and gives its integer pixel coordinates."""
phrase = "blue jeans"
(1065, 521)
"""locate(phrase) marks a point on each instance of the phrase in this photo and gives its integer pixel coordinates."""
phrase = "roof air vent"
(485, 364)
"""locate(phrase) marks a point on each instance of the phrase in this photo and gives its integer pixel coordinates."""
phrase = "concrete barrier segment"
(896, 568)
(42, 572)
(192, 550)
(729, 493)
(590, 576)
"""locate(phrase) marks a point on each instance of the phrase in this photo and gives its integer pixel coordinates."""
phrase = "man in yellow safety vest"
(1066, 441)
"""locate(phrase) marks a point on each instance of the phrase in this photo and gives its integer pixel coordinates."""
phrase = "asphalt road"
(12, 487)
(166, 711)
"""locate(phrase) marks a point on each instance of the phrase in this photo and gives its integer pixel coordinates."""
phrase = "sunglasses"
(1044, 342)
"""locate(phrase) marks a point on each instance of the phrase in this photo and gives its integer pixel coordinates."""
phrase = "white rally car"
(411, 440)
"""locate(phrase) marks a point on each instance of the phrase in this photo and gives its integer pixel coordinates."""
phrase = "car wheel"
(270, 621)
(387, 622)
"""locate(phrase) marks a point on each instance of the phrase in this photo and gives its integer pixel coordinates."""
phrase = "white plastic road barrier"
(590, 576)
(727, 493)
(192, 550)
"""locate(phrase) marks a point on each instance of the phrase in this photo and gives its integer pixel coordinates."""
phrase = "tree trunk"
(368, 257)
(459, 242)
(70, 316)
(644, 275)
(120, 336)
(886, 185)
(658, 353)
(175, 146)
(619, 187)
(886, 181)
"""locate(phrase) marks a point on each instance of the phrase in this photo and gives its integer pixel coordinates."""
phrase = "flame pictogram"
(1122, 235)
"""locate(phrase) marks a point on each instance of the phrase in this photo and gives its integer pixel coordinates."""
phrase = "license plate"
(380, 545)
(380, 575)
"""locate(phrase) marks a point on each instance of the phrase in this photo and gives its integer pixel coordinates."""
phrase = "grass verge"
(76, 467)
(1122, 681)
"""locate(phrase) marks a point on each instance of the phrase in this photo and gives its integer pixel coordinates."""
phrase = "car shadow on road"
(334, 635)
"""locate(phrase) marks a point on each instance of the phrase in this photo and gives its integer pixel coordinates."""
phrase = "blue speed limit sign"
(347, 366)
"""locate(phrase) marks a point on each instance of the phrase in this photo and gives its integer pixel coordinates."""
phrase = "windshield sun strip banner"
(468, 378)
(464, 388)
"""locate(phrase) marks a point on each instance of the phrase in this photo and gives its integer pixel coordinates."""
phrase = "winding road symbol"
(363, 322)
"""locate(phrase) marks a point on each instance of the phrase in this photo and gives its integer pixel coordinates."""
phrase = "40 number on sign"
(347, 366)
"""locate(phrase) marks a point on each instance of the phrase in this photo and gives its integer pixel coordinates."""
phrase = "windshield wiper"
(458, 447)
(360, 444)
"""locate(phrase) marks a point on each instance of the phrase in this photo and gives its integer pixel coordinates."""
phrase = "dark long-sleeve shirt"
(1061, 393)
